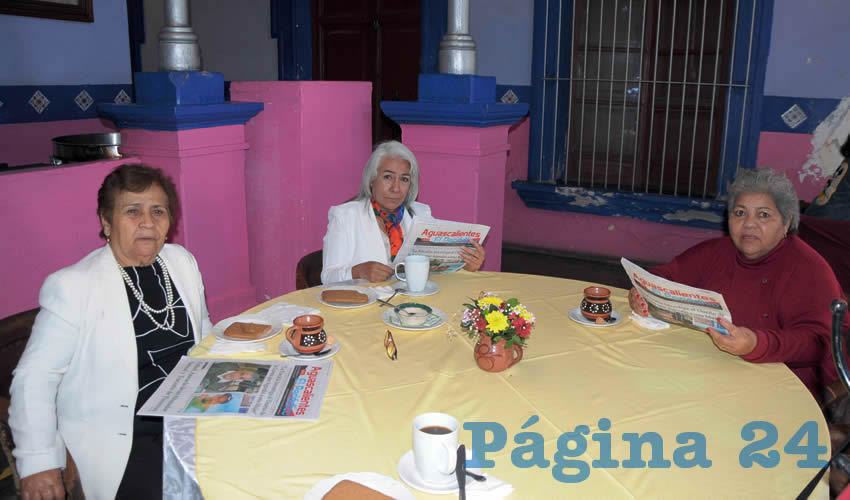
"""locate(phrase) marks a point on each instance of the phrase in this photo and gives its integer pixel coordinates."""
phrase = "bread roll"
(239, 330)
(349, 490)
(345, 296)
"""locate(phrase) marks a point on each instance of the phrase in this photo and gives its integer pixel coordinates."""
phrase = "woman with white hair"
(777, 287)
(365, 234)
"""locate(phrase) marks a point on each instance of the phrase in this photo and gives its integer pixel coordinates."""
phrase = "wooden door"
(370, 40)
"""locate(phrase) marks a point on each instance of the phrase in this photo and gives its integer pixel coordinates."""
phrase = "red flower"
(480, 323)
(523, 330)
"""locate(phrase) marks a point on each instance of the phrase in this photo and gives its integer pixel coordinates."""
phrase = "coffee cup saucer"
(287, 350)
(407, 472)
(430, 289)
(576, 315)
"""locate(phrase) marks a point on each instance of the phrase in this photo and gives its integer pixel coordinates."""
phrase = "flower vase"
(495, 357)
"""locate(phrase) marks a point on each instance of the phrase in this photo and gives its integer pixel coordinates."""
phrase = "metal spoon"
(386, 302)
(475, 476)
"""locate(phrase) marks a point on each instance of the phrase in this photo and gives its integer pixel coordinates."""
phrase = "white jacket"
(354, 237)
(76, 383)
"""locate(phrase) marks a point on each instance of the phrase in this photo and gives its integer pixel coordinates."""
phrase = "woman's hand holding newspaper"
(740, 341)
(473, 257)
(637, 303)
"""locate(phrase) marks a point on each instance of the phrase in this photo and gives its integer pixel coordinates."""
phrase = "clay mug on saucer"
(596, 303)
(307, 334)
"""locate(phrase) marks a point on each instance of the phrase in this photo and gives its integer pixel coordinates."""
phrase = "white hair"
(390, 149)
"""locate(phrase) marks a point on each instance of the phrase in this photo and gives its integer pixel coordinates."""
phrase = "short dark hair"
(135, 178)
(771, 182)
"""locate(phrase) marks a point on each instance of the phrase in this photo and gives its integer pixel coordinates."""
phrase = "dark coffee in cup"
(435, 429)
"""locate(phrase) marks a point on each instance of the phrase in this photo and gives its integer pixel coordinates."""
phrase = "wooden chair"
(14, 333)
(308, 272)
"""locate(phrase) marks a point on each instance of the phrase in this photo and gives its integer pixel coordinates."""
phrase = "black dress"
(159, 350)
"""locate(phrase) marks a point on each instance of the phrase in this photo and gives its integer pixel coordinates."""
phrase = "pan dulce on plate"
(242, 330)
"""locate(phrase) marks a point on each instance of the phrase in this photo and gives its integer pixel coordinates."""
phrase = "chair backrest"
(308, 272)
(14, 333)
(831, 239)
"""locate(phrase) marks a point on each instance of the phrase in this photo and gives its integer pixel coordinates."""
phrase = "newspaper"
(677, 303)
(441, 241)
(202, 387)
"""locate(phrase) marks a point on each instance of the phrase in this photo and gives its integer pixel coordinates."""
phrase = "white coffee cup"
(416, 268)
(435, 447)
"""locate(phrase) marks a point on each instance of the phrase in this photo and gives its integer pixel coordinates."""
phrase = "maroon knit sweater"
(783, 297)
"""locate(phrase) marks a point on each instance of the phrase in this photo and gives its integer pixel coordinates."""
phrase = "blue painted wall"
(502, 31)
(809, 55)
(36, 51)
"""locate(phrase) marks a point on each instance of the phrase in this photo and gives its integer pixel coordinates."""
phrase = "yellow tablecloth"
(667, 381)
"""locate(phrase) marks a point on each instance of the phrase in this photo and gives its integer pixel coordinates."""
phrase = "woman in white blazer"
(365, 234)
(110, 328)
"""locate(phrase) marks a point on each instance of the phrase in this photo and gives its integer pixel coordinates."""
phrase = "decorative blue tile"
(84, 100)
(43, 103)
(39, 102)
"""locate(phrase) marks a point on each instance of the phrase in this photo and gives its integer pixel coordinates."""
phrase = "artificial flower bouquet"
(498, 319)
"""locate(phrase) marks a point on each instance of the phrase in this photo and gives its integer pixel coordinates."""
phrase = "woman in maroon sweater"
(777, 287)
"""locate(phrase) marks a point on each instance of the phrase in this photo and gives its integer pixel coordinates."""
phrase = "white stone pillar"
(178, 43)
(457, 48)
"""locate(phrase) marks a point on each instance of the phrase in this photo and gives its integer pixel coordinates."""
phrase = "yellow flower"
(486, 302)
(496, 321)
(523, 312)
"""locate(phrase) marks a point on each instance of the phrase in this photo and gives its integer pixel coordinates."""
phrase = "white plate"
(436, 319)
(221, 326)
(430, 289)
(345, 305)
(407, 472)
(386, 485)
(287, 350)
(576, 316)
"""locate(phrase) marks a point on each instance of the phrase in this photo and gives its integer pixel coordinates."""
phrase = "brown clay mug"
(306, 334)
(596, 303)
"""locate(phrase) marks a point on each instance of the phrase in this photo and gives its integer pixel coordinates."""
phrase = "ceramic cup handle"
(289, 332)
(396, 272)
(451, 459)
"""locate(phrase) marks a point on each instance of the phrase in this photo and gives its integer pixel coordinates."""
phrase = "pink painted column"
(462, 176)
(208, 167)
(308, 149)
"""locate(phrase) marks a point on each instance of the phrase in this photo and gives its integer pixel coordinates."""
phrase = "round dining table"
(720, 425)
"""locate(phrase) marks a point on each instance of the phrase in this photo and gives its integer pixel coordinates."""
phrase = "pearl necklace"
(148, 310)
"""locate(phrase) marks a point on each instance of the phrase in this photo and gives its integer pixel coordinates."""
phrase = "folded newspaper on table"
(441, 241)
(677, 303)
(284, 390)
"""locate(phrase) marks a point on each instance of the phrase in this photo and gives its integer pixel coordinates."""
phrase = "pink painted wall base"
(789, 153)
(584, 233)
(49, 217)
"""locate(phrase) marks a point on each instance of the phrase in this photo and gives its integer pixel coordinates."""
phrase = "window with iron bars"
(656, 97)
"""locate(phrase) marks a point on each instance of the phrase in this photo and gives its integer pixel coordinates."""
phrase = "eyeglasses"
(389, 344)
